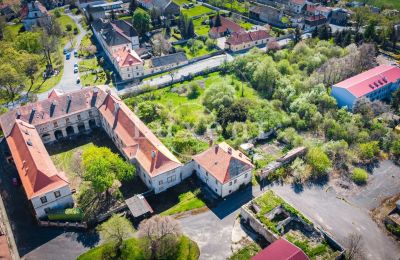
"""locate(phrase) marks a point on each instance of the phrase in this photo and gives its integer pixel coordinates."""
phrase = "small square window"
(160, 182)
(43, 199)
(216, 182)
(230, 183)
(57, 194)
(206, 173)
(79, 117)
(234, 181)
(55, 124)
(67, 120)
(246, 175)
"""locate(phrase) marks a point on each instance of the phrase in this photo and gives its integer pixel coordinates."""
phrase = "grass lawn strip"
(187, 201)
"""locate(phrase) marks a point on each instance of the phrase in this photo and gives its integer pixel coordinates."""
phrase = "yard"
(199, 28)
(181, 2)
(394, 4)
(92, 73)
(197, 11)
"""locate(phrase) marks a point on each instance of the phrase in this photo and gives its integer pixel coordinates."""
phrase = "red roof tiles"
(281, 250)
(245, 37)
(370, 80)
(223, 162)
(127, 57)
(226, 25)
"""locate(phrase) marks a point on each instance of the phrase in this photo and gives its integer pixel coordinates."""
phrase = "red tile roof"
(139, 142)
(223, 162)
(244, 37)
(314, 18)
(298, 2)
(127, 57)
(226, 24)
(35, 168)
(370, 80)
(281, 250)
(324, 9)
(311, 8)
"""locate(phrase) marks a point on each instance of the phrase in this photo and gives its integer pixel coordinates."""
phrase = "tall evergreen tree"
(133, 5)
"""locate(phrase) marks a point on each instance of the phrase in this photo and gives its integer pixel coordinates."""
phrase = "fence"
(77, 225)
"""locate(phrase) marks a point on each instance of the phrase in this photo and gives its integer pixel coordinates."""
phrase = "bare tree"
(161, 235)
(354, 247)
(160, 45)
(172, 74)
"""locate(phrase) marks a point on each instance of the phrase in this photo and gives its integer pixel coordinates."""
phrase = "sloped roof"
(35, 168)
(127, 57)
(281, 250)
(223, 162)
(298, 2)
(125, 27)
(244, 37)
(370, 80)
(168, 59)
(265, 9)
(226, 24)
(140, 143)
(115, 37)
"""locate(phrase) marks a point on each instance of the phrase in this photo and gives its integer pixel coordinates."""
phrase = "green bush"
(74, 214)
(359, 175)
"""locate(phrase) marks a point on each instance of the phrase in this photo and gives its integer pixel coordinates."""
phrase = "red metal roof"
(281, 250)
(370, 80)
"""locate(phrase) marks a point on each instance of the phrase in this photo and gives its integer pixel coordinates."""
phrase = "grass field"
(181, 2)
(133, 250)
(200, 29)
(198, 10)
(393, 4)
(246, 252)
(187, 201)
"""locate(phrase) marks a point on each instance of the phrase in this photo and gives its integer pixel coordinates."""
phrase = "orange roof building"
(223, 169)
(64, 115)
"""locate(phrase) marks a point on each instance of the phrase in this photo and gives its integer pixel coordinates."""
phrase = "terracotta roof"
(322, 8)
(281, 250)
(55, 93)
(223, 162)
(243, 37)
(311, 8)
(298, 2)
(35, 167)
(127, 57)
(370, 80)
(314, 18)
(226, 25)
(139, 142)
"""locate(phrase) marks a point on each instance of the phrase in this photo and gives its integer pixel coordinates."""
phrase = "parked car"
(75, 54)
(68, 56)
(75, 65)
(75, 69)
(65, 51)
(78, 80)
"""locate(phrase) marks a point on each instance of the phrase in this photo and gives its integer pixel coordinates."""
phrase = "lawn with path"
(196, 11)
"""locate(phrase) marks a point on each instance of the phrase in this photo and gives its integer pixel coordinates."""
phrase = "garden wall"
(187, 170)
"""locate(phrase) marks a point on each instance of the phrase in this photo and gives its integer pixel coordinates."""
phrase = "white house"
(223, 169)
(34, 14)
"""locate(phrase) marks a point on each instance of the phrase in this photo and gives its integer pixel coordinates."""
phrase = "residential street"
(68, 79)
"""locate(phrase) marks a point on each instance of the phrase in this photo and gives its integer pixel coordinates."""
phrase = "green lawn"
(132, 249)
(393, 4)
(187, 201)
(246, 25)
(200, 52)
(236, 6)
(92, 72)
(200, 29)
(246, 252)
(12, 30)
(198, 10)
(181, 2)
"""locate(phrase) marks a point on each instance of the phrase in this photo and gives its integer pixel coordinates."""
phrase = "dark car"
(68, 56)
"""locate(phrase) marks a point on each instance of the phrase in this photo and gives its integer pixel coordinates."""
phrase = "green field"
(200, 29)
(391, 4)
(187, 201)
(198, 10)
(181, 2)
(246, 252)
(132, 249)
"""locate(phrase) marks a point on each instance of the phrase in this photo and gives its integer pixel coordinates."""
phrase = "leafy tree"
(370, 32)
(237, 112)
(28, 41)
(115, 230)
(300, 171)
(319, 161)
(297, 35)
(217, 21)
(265, 76)
(395, 147)
(148, 111)
(324, 32)
(11, 82)
(49, 45)
(141, 21)
(395, 101)
(218, 95)
(103, 167)
(194, 90)
(161, 235)
(368, 151)
(359, 175)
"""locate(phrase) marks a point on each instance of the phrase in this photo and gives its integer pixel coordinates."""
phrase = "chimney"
(116, 108)
(240, 155)
(216, 148)
(229, 150)
(18, 114)
(153, 154)
(210, 143)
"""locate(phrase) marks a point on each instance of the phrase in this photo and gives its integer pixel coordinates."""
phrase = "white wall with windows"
(58, 198)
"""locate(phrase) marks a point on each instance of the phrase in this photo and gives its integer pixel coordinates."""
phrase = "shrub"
(359, 175)
(68, 27)
(75, 31)
(57, 13)
(72, 214)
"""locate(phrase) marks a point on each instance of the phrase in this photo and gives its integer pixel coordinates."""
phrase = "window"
(171, 178)
(246, 175)
(149, 182)
(55, 124)
(216, 182)
(230, 183)
(160, 182)
(230, 191)
(79, 117)
(90, 113)
(129, 75)
(57, 194)
(206, 173)
(234, 181)
(43, 199)
(67, 120)
(198, 166)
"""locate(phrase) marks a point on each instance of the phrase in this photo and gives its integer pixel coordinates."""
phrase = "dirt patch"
(387, 205)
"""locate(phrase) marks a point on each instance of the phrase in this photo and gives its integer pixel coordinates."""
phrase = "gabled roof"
(223, 162)
(281, 250)
(168, 59)
(127, 57)
(266, 10)
(140, 143)
(370, 80)
(226, 25)
(35, 168)
(116, 32)
(244, 37)
(114, 37)
(125, 27)
(298, 2)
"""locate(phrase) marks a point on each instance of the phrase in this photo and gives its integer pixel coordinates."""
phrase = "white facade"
(246, 45)
(222, 189)
(55, 199)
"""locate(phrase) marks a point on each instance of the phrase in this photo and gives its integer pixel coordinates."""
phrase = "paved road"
(209, 63)
(68, 79)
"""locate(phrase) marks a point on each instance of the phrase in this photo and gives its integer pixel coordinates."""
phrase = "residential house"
(281, 249)
(246, 40)
(280, 4)
(297, 6)
(8, 12)
(166, 8)
(223, 169)
(267, 14)
(167, 62)
(119, 40)
(323, 10)
(311, 22)
(96, 11)
(34, 14)
(339, 17)
(61, 116)
(227, 27)
(375, 84)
